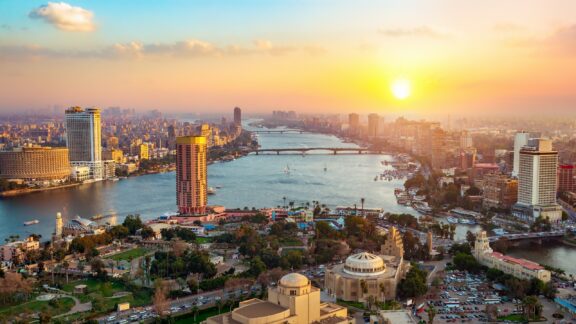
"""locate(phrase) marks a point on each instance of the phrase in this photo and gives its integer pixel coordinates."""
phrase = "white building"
(520, 140)
(83, 139)
(520, 268)
(80, 173)
(537, 182)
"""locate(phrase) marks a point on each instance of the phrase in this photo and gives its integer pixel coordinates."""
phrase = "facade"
(366, 274)
(237, 116)
(191, 175)
(293, 301)
(143, 153)
(566, 178)
(499, 191)
(520, 268)
(373, 127)
(84, 139)
(35, 163)
(466, 140)
(520, 140)
(15, 251)
(78, 226)
(115, 155)
(80, 173)
(537, 182)
(59, 226)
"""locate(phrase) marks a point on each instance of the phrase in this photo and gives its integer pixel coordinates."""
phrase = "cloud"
(418, 32)
(561, 42)
(64, 16)
(182, 49)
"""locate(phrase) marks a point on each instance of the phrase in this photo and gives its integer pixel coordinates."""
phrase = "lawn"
(358, 305)
(513, 318)
(130, 254)
(202, 316)
(202, 240)
(63, 305)
(103, 290)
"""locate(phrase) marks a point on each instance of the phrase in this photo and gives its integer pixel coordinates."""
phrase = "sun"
(401, 89)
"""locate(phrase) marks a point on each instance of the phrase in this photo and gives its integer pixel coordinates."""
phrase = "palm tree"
(362, 200)
(284, 198)
(531, 307)
(431, 314)
(66, 265)
(371, 300)
(219, 305)
(363, 286)
(195, 312)
(382, 291)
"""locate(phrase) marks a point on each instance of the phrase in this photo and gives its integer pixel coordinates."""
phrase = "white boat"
(211, 191)
(499, 231)
(32, 222)
(287, 169)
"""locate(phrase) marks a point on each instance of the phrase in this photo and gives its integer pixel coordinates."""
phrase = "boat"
(452, 220)
(325, 168)
(499, 231)
(376, 178)
(114, 179)
(32, 222)
(287, 169)
(211, 191)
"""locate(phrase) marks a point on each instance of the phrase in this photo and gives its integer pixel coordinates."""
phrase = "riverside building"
(84, 139)
(520, 268)
(191, 175)
(35, 164)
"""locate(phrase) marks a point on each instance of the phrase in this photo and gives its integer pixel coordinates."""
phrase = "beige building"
(35, 163)
(520, 268)
(499, 191)
(115, 155)
(366, 274)
(293, 301)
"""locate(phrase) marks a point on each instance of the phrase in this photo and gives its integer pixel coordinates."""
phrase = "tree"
(66, 265)
(414, 285)
(160, 301)
(431, 311)
(133, 223)
(532, 308)
(192, 285)
(195, 312)
(45, 317)
(470, 238)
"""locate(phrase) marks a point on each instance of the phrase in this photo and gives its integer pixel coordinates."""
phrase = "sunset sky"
(307, 55)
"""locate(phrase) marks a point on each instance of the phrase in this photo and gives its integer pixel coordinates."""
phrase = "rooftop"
(260, 309)
(522, 262)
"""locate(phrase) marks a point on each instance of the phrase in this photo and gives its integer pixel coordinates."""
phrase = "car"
(111, 318)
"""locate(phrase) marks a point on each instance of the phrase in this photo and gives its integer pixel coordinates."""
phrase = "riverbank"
(26, 191)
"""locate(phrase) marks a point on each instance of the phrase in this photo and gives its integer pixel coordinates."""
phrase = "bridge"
(333, 150)
(278, 131)
(528, 236)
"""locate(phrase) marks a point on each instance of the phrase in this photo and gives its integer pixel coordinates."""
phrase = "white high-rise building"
(537, 181)
(83, 139)
(520, 140)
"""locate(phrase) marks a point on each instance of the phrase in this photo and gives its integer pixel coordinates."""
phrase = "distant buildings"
(566, 178)
(191, 175)
(519, 268)
(537, 182)
(354, 124)
(499, 191)
(83, 138)
(35, 164)
(237, 116)
(520, 140)
(293, 301)
(373, 121)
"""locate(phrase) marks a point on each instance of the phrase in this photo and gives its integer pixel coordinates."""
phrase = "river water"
(251, 181)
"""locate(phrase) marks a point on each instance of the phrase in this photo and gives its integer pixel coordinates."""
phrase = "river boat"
(32, 222)
(452, 220)
(211, 191)
(499, 231)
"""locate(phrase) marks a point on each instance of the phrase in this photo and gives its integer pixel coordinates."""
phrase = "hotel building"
(35, 163)
(537, 182)
(84, 140)
(520, 268)
(191, 175)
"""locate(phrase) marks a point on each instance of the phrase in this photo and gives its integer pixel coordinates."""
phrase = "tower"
(373, 120)
(353, 123)
(520, 140)
(83, 139)
(238, 116)
(191, 175)
(393, 245)
(482, 245)
(59, 225)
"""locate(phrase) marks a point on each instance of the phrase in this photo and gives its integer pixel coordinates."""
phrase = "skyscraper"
(237, 116)
(566, 177)
(373, 120)
(353, 123)
(537, 182)
(83, 138)
(191, 175)
(520, 140)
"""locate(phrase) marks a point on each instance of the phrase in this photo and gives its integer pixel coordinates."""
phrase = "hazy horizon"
(337, 56)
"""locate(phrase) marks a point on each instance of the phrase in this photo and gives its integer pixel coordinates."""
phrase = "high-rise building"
(566, 178)
(237, 116)
(466, 140)
(373, 120)
(353, 123)
(537, 182)
(59, 226)
(520, 140)
(35, 163)
(191, 175)
(83, 138)
(499, 191)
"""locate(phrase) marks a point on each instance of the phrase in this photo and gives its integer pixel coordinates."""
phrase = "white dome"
(364, 264)
(294, 280)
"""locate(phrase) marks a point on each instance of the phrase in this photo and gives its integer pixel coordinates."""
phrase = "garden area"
(129, 255)
(53, 307)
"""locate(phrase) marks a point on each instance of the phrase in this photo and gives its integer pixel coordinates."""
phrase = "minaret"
(482, 245)
(429, 242)
(59, 225)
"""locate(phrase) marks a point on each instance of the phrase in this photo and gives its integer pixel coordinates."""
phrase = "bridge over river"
(330, 150)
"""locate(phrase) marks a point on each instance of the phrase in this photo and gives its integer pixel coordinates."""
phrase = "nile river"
(251, 181)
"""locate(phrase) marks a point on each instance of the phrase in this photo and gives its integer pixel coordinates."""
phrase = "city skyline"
(327, 57)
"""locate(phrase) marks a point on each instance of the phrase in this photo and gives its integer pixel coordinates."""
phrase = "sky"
(326, 56)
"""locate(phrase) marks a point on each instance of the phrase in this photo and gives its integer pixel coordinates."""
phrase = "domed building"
(293, 301)
(365, 274)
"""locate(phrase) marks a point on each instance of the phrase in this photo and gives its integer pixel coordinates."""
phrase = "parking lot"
(463, 297)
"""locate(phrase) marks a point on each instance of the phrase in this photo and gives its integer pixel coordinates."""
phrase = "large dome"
(364, 264)
(294, 280)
